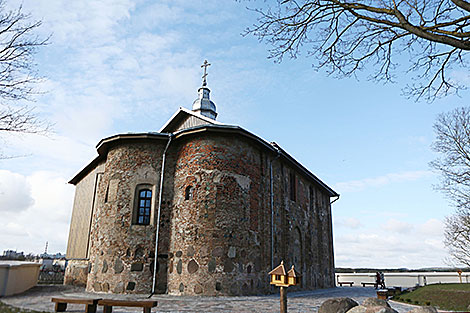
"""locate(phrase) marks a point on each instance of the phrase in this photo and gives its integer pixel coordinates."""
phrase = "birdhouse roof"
(280, 270)
(292, 272)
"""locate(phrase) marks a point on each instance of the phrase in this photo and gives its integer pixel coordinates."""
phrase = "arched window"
(143, 207)
(188, 193)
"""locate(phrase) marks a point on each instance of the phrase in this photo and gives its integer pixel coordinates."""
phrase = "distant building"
(13, 255)
(52, 256)
(226, 205)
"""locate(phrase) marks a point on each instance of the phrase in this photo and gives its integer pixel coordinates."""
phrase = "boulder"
(379, 309)
(358, 309)
(337, 305)
(375, 302)
(424, 309)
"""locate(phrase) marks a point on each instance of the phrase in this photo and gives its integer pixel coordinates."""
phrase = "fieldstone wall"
(122, 254)
(215, 227)
(76, 273)
(302, 228)
(218, 241)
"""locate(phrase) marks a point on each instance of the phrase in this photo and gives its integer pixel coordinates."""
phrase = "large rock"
(375, 302)
(337, 305)
(424, 309)
(379, 309)
(358, 309)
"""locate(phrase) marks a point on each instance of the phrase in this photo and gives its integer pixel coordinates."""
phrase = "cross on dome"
(203, 104)
(205, 65)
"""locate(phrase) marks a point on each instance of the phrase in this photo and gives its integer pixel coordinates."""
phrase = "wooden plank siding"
(85, 197)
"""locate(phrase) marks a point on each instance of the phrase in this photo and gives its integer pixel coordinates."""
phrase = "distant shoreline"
(400, 270)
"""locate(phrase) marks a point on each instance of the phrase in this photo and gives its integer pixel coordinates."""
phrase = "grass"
(454, 297)
(5, 308)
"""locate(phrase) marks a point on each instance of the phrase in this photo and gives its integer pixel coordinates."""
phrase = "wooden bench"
(61, 303)
(109, 303)
(373, 284)
(350, 283)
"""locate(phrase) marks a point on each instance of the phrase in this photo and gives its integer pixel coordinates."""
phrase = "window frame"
(147, 207)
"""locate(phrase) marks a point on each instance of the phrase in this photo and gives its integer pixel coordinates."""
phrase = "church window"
(292, 186)
(142, 205)
(143, 212)
(311, 197)
(106, 195)
(188, 193)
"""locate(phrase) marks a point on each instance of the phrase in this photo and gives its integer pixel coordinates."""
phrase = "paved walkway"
(39, 299)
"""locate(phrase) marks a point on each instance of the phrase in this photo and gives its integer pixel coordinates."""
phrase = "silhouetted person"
(382, 280)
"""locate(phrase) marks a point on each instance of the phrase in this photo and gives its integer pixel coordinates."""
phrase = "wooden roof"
(280, 270)
(292, 272)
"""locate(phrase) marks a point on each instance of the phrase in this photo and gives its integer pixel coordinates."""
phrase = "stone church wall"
(217, 246)
(215, 230)
(122, 253)
(302, 228)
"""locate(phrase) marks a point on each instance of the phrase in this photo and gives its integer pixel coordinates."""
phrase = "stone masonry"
(215, 228)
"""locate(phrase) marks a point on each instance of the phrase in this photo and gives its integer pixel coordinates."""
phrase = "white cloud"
(394, 244)
(397, 226)
(15, 192)
(47, 218)
(432, 227)
(359, 185)
(350, 222)
(72, 22)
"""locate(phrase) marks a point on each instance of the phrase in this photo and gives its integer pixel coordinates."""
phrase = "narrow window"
(143, 208)
(106, 195)
(292, 186)
(278, 277)
(188, 193)
(311, 197)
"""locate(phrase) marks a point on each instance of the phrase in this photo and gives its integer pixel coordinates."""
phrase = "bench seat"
(109, 303)
(350, 283)
(90, 303)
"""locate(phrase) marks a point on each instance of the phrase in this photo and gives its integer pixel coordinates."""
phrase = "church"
(198, 208)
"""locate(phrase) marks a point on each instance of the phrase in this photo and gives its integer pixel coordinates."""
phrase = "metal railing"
(51, 278)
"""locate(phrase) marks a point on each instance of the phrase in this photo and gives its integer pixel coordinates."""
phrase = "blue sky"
(127, 66)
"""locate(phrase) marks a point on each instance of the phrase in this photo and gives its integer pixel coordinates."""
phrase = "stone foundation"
(76, 273)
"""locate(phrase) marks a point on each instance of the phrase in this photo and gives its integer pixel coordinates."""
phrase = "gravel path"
(39, 299)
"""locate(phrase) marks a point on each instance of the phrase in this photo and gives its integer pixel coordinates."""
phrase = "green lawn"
(455, 297)
(5, 308)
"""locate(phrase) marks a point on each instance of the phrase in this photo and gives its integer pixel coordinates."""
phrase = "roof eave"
(102, 149)
(182, 111)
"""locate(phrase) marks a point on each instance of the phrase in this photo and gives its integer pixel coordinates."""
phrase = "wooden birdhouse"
(293, 278)
(279, 276)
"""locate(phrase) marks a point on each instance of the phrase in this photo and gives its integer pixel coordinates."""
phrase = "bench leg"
(90, 308)
(107, 309)
(60, 307)
(147, 310)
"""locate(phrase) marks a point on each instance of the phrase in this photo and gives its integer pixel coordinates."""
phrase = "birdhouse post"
(283, 279)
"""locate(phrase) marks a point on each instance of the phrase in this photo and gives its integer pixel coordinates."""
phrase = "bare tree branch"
(344, 36)
(18, 76)
(453, 144)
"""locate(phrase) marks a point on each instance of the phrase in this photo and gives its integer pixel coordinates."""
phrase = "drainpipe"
(272, 205)
(160, 194)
